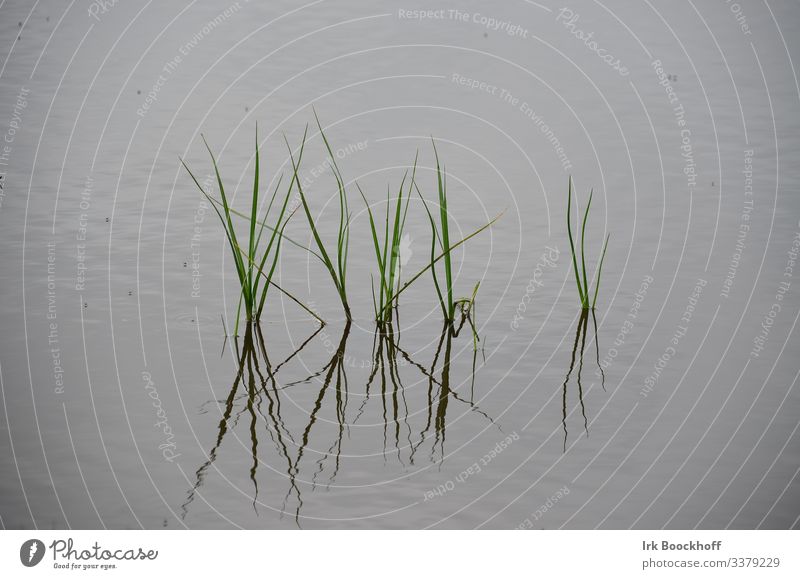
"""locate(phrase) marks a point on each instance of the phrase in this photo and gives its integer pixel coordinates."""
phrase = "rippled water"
(126, 406)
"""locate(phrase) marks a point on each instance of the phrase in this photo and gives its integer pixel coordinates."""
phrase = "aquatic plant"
(338, 272)
(250, 260)
(255, 264)
(583, 287)
(440, 235)
(387, 254)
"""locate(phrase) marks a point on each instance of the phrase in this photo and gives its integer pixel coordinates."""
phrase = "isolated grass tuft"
(583, 284)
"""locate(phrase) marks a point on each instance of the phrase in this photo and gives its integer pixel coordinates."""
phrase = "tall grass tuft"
(583, 285)
(387, 254)
(440, 236)
(337, 271)
(254, 267)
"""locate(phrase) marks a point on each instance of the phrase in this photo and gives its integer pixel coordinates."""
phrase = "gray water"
(121, 403)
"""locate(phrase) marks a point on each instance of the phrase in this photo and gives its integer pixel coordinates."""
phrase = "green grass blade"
(261, 230)
(314, 231)
(376, 245)
(344, 249)
(583, 255)
(231, 241)
(432, 264)
(572, 243)
(263, 222)
(443, 216)
(231, 230)
(374, 232)
(374, 302)
(599, 271)
(268, 251)
(238, 312)
(396, 233)
(343, 238)
(275, 256)
(295, 168)
(472, 315)
(297, 301)
(411, 186)
(253, 216)
(386, 257)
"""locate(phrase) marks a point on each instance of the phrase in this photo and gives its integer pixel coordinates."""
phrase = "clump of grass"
(583, 286)
(440, 236)
(254, 268)
(337, 271)
(387, 254)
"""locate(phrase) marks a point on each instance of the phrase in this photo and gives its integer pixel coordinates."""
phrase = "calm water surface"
(673, 405)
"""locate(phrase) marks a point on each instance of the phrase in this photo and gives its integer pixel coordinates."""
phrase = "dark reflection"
(597, 353)
(467, 308)
(333, 373)
(439, 393)
(254, 383)
(386, 371)
(440, 421)
(255, 395)
(580, 338)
